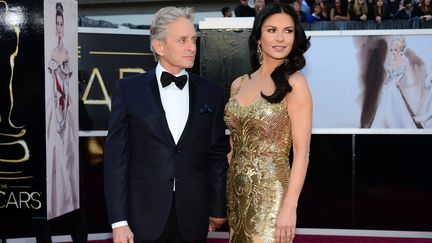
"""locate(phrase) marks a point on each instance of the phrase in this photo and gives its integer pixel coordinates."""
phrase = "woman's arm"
(299, 104)
(345, 17)
(332, 15)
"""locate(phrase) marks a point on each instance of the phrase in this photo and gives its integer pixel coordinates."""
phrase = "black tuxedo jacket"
(142, 159)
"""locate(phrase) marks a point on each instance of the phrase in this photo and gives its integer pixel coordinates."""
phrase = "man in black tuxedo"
(165, 154)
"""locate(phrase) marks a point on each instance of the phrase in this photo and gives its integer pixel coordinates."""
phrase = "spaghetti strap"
(242, 80)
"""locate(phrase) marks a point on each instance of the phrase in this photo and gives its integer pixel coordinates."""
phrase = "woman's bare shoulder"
(296, 79)
(235, 85)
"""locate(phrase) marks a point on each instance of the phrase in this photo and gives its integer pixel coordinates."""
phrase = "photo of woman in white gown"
(393, 110)
(62, 130)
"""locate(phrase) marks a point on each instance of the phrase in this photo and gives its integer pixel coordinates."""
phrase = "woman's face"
(296, 6)
(360, 2)
(380, 3)
(338, 3)
(277, 36)
(317, 9)
(59, 26)
(427, 2)
(259, 4)
(395, 49)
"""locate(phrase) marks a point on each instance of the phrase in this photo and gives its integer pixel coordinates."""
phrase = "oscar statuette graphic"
(13, 146)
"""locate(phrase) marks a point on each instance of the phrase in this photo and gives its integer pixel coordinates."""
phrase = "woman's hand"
(427, 17)
(378, 19)
(286, 225)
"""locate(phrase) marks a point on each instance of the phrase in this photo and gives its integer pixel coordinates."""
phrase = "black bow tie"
(167, 79)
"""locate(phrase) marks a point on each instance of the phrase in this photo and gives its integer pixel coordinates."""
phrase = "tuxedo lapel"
(151, 93)
(192, 84)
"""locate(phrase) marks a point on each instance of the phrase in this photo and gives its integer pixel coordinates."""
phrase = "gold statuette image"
(13, 147)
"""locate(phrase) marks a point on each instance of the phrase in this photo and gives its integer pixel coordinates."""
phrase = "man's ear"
(158, 47)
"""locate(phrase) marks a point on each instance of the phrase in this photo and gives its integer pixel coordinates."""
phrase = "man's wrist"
(119, 224)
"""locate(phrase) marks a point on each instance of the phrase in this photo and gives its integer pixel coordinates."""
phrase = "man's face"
(244, 2)
(177, 51)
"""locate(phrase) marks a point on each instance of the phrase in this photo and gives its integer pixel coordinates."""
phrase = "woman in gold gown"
(269, 111)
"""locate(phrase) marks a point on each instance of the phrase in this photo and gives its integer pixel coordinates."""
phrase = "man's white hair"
(161, 20)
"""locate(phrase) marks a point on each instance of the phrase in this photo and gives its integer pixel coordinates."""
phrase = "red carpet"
(328, 239)
(351, 239)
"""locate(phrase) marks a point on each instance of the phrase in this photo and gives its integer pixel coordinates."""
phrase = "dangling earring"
(260, 55)
(286, 61)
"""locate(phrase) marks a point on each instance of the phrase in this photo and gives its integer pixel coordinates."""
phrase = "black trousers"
(171, 232)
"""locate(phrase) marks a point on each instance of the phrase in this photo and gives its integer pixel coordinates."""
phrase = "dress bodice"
(259, 128)
(395, 75)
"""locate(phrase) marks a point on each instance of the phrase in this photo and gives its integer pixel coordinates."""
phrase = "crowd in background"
(343, 10)
(326, 14)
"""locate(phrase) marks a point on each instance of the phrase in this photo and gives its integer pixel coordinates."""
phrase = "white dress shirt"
(175, 102)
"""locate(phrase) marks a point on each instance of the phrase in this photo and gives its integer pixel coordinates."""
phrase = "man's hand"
(215, 223)
(122, 234)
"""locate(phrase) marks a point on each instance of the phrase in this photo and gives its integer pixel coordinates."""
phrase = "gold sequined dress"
(259, 171)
